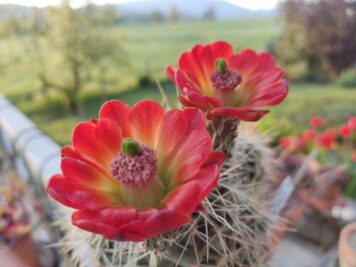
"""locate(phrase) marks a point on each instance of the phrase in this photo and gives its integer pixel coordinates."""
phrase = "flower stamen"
(224, 79)
(136, 168)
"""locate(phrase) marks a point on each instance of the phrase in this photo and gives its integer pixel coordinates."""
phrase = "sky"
(251, 4)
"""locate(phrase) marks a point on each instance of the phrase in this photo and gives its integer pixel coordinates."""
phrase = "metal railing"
(35, 158)
(35, 155)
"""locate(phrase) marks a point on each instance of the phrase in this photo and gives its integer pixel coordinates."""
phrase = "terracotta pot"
(347, 246)
(22, 254)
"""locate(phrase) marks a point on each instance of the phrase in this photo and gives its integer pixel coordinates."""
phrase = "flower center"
(223, 79)
(136, 164)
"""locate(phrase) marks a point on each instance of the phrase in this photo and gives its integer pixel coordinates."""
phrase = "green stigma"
(130, 147)
(221, 65)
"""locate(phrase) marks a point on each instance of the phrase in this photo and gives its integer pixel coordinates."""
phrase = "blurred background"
(59, 60)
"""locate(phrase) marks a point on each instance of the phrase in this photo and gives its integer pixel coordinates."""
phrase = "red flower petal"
(190, 65)
(118, 112)
(70, 152)
(79, 172)
(243, 61)
(184, 83)
(239, 113)
(145, 119)
(172, 140)
(171, 73)
(211, 52)
(185, 198)
(106, 221)
(195, 118)
(173, 128)
(99, 142)
(165, 220)
(215, 158)
(127, 224)
(271, 95)
(79, 196)
(200, 101)
(190, 155)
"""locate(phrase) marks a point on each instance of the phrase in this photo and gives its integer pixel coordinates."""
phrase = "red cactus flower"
(226, 84)
(352, 123)
(136, 172)
(344, 130)
(316, 121)
(308, 135)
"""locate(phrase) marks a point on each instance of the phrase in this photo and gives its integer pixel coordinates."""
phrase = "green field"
(150, 48)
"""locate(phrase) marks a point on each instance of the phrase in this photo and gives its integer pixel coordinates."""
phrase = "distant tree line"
(318, 40)
(174, 15)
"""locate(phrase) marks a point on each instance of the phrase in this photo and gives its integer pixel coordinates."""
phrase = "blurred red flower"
(293, 144)
(316, 121)
(226, 84)
(300, 143)
(352, 123)
(344, 130)
(326, 139)
(137, 172)
(353, 156)
(308, 135)
(284, 142)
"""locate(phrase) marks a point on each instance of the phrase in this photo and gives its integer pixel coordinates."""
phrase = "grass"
(332, 102)
(150, 48)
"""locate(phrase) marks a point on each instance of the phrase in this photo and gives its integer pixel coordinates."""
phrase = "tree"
(174, 14)
(156, 17)
(320, 35)
(81, 49)
(209, 14)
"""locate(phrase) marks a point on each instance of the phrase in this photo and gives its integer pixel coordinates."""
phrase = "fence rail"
(36, 156)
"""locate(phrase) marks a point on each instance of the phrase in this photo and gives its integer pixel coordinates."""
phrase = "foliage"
(74, 42)
(318, 38)
(347, 78)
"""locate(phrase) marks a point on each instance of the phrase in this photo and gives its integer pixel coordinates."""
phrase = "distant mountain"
(193, 9)
(9, 10)
(141, 10)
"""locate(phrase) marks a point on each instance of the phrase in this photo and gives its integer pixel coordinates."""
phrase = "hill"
(193, 9)
(142, 9)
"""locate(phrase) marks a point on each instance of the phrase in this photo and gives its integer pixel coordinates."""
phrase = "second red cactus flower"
(224, 83)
